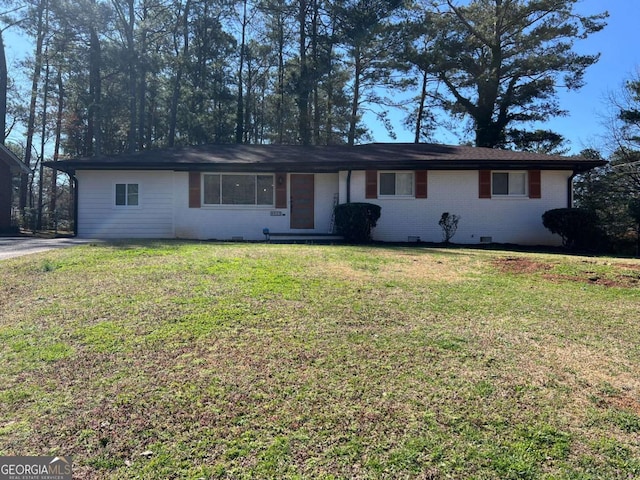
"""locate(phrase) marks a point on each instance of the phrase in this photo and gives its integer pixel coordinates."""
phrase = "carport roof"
(318, 159)
(10, 159)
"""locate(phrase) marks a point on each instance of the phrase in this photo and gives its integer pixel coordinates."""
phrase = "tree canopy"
(503, 61)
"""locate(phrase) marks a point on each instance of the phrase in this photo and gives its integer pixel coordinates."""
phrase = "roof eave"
(15, 165)
(331, 166)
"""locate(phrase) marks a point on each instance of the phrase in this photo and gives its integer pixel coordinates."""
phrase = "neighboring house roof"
(15, 165)
(333, 158)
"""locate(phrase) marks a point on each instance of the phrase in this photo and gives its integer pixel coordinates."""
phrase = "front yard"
(201, 360)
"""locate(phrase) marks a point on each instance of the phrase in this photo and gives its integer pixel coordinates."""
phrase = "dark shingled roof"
(318, 159)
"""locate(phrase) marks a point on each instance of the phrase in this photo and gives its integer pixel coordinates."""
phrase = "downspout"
(349, 186)
(570, 189)
(74, 182)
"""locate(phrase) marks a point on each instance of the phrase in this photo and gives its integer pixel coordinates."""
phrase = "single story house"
(228, 192)
(9, 165)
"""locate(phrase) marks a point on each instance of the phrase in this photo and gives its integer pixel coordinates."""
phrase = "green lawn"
(201, 360)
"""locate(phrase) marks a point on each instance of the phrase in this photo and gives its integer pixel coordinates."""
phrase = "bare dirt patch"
(621, 281)
(619, 275)
(627, 402)
(521, 265)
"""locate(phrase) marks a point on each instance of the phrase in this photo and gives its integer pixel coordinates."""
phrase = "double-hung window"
(127, 195)
(399, 184)
(509, 183)
(237, 189)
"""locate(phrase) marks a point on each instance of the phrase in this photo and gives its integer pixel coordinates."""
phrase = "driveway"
(18, 246)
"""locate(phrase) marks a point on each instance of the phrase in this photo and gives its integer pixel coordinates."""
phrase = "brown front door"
(302, 195)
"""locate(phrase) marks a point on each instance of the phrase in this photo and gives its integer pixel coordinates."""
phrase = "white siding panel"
(326, 188)
(505, 220)
(98, 217)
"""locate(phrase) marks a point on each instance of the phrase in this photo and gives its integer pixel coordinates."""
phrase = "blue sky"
(583, 127)
(620, 58)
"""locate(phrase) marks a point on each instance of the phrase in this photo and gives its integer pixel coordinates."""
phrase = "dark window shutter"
(421, 183)
(194, 190)
(535, 184)
(281, 190)
(371, 187)
(484, 186)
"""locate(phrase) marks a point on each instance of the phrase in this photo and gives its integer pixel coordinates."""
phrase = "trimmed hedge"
(578, 228)
(354, 221)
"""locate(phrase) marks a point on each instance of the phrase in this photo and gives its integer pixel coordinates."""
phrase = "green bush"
(578, 228)
(354, 221)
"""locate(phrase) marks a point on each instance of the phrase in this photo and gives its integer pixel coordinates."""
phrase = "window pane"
(132, 194)
(404, 183)
(121, 194)
(239, 189)
(500, 184)
(265, 190)
(212, 189)
(387, 184)
(517, 182)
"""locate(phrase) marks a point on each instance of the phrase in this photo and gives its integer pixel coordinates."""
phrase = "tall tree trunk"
(142, 91)
(329, 113)
(240, 106)
(355, 103)
(94, 122)
(4, 81)
(420, 116)
(330, 90)
(127, 21)
(43, 140)
(304, 127)
(56, 148)
(181, 61)
(280, 101)
(132, 76)
(316, 61)
(248, 102)
(31, 122)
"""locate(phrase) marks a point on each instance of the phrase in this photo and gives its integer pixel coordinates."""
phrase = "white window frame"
(396, 195)
(239, 205)
(525, 192)
(126, 195)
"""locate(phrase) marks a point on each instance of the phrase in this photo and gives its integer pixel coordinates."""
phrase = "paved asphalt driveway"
(18, 246)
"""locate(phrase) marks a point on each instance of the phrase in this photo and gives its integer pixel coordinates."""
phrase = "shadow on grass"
(442, 248)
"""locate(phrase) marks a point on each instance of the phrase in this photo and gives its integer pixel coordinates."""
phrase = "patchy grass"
(196, 360)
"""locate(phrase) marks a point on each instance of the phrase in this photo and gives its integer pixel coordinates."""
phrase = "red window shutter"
(535, 184)
(194, 190)
(421, 183)
(484, 187)
(281, 190)
(371, 187)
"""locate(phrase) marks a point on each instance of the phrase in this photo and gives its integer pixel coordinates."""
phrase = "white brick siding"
(506, 220)
(246, 222)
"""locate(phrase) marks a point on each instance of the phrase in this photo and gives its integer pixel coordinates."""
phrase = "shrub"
(634, 211)
(354, 221)
(449, 225)
(578, 228)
